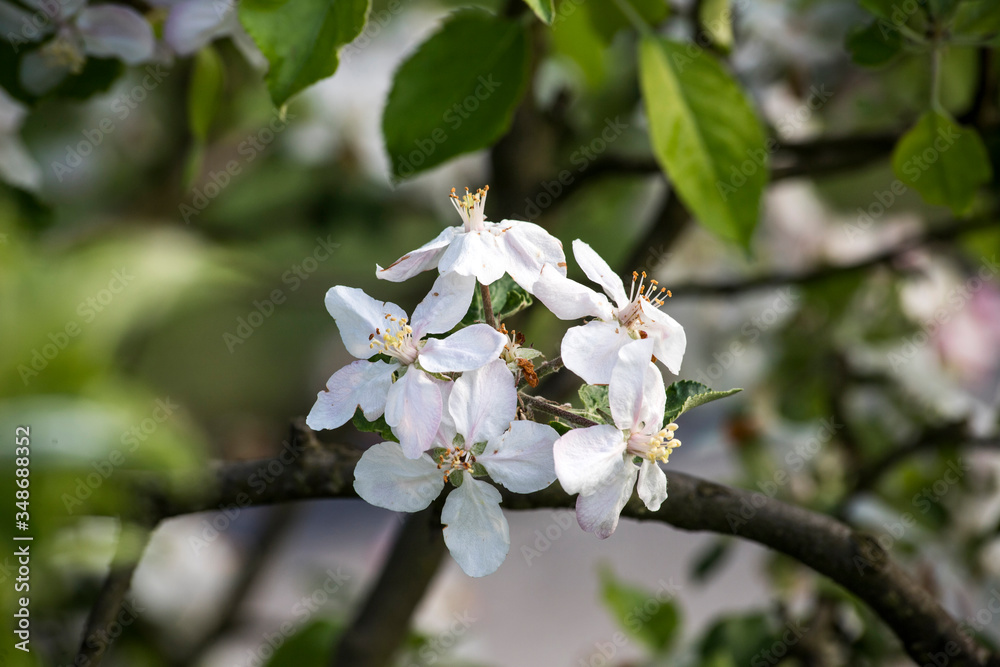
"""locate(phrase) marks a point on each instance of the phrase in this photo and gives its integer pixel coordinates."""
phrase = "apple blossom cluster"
(446, 393)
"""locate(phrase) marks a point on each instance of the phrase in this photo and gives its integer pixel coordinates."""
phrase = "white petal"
(413, 410)
(528, 248)
(38, 75)
(585, 458)
(652, 486)
(358, 316)
(654, 400)
(475, 529)
(14, 20)
(628, 379)
(115, 30)
(424, 258)
(483, 402)
(568, 299)
(17, 166)
(598, 270)
(465, 350)
(591, 350)
(360, 384)
(191, 24)
(444, 306)
(669, 341)
(598, 512)
(521, 459)
(386, 478)
(475, 254)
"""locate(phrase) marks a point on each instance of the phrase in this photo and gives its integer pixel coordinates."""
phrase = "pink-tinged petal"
(628, 379)
(55, 9)
(521, 459)
(483, 402)
(465, 350)
(528, 248)
(568, 299)
(444, 306)
(358, 318)
(598, 270)
(360, 384)
(38, 75)
(424, 258)
(586, 458)
(591, 350)
(413, 410)
(475, 529)
(115, 30)
(598, 512)
(386, 478)
(669, 340)
(446, 430)
(654, 400)
(652, 485)
(13, 21)
(191, 24)
(475, 254)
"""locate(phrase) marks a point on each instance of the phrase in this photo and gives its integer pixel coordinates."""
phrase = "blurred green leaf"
(543, 9)
(710, 560)
(685, 395)
(717, 17)
(874, 45)
(311, 645)
(457, 93)
(607, 17)
(652, 618)
(507, 297)
(204, 92)
(943, 161)
(976, 17)
(301, 38)
(737, 640)
(575, 37)
(705, 135)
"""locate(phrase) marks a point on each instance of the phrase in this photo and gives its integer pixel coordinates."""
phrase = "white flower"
(481, 408)
(412, 404)
(483, 249)
(107, 30)
(17, 166)
(597, 462)
(591, 350)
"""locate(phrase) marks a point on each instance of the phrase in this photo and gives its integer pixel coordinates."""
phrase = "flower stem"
(491, 319)
(551, 408)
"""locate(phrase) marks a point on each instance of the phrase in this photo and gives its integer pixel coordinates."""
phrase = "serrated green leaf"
(543, 10)
(650, 617)
(685, 395)
(301, 38)
(204, 92)
(457, 93)
(379, 426)
(705, 135)
(943, 161)
(874, 44)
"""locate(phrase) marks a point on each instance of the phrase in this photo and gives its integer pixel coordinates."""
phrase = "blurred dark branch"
(381, 626)
(109, 613)
(852, 559)
(939, 234)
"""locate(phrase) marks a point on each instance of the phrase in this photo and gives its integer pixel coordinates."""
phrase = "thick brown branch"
(854, 560)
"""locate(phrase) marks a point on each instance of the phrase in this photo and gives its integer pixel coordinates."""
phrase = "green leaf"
(543, 10)
(874, 44)
(560, 427)
(943, 161)
(607, 17)
(652, 618)
(575, 37)
(204, 92)
(737, 640)
(685, 395)
(708, 561)
(379, 426)
(457, 93)
(977, 17)
(705, 136)
(596, 404)
(301, 38)
(507, 298)
(309, 646)
(717, 17)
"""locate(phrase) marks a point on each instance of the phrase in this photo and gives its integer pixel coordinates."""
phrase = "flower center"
(655, 448)
(631, 315)
(454, 459)
(396, 341)
(471, 208)
(62, 52)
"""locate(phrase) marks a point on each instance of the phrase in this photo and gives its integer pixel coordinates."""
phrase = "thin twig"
(554, 409)
(491, 319)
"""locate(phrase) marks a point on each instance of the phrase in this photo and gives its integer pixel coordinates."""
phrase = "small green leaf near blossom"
(685, 395)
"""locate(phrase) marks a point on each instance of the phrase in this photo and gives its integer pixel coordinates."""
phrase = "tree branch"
(852, 559)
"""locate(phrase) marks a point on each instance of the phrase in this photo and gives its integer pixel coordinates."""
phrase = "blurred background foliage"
(168, 230)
